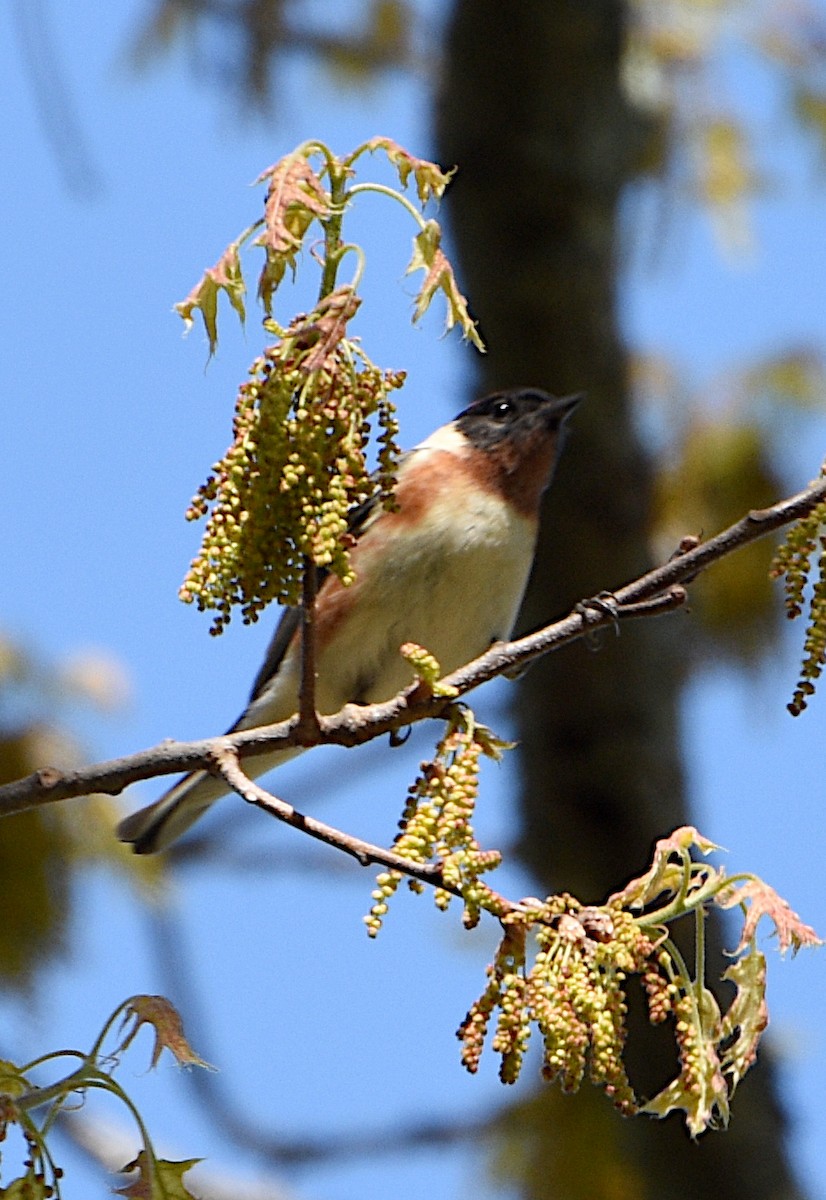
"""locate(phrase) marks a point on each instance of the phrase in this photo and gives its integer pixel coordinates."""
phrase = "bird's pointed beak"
(566, 405)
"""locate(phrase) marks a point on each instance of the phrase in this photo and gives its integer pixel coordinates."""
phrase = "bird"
(445, 568)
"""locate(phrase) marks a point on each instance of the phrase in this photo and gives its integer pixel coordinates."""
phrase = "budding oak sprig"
(564, 968)
(279, 500)
(795, 562)
(436, 823)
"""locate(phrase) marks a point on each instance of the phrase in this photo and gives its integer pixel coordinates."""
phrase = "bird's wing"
(360, 517)
(284, 632)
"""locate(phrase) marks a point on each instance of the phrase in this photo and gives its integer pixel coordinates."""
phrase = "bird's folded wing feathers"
(360, 517)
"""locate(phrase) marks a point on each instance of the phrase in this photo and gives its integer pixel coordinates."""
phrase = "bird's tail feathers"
(158, 825)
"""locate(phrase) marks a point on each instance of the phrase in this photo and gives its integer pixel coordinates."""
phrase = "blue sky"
(110, 423)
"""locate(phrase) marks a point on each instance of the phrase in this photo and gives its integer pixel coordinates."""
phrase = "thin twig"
(366, 853)
(227, 765)
(308, 728)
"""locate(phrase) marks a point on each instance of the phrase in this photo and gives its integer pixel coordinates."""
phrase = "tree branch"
(658, 591)
(308, 727)
(225, 761)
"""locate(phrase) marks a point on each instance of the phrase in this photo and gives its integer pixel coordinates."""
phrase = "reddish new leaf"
(747, 1015)
(169, 1031)
(328, 327)
(429, 257)
(431, 180)
(762, 900)
(664, 874)
(295, 197)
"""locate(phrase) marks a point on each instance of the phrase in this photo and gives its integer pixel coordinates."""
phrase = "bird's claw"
(606, 605)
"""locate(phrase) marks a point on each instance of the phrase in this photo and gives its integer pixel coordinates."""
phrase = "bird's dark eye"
(503, 409)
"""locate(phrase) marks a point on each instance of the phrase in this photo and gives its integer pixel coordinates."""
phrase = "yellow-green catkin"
(283, 492)
(794, 560)
(573, 992)
(436, 824)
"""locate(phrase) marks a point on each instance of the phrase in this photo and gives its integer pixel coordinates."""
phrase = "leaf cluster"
(35, 1108)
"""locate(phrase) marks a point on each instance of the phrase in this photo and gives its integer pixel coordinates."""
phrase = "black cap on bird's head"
(515, 437)
(515, 415)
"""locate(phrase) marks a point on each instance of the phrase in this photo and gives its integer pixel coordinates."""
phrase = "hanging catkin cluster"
(573, 992)
(297, 465)
(801, 556)
(437, 821)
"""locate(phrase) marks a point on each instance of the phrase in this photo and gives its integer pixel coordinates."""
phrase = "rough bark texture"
(532, 111)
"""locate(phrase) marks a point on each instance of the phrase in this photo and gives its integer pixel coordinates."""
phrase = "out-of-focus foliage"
(794, 37)
(34, 867)
(793, 379)
(382, 36)
(721, 471)
(717, 459)
(698, 147)
(584, 1158)
(41, 850)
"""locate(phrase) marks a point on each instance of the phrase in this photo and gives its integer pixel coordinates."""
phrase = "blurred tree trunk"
(532, 110)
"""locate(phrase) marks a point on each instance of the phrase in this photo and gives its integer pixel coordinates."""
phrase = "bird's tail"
(158, 825)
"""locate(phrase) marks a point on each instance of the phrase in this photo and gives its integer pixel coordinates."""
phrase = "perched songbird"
(447, 569)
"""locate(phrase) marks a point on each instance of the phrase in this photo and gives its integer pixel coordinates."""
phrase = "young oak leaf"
(295, 198)
(225, 276)
(169, 1031)
(293, 187)
(327, 328)
(664, 875)
(746, 1017)
(764, 901)
(429, 257)
(700, 1089)
(431, 180)
(31, 1186)
(698, 1100)
(158, 1179)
